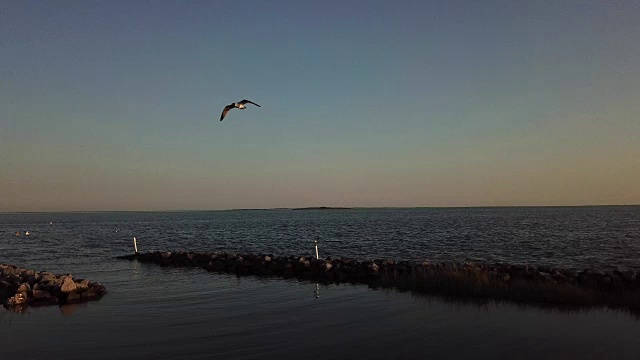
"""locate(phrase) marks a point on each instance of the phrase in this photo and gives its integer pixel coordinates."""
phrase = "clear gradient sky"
(114, 105)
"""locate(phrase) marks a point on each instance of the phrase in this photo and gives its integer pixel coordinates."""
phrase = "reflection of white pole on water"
(135, 246)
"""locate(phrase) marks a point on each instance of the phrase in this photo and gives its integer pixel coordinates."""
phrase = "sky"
(115, 105)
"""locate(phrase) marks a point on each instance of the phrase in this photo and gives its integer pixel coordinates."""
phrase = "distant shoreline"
(322, 208)
(315, 208)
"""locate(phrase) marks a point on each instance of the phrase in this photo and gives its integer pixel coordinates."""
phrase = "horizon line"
(317, 208)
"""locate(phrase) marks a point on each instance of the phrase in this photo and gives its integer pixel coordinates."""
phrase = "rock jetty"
(518, 283)
(22, 287)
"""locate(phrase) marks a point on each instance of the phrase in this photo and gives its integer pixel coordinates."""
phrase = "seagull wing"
(225, 111)
(245, 101)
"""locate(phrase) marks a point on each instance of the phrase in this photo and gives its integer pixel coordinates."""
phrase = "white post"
(316, 242)
(135, 246)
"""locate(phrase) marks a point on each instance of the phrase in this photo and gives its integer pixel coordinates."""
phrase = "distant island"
(322, 208)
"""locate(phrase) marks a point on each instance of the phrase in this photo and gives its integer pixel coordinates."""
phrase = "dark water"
(153, 312)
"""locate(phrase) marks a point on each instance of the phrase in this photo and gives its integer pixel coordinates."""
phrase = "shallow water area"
(184, 313)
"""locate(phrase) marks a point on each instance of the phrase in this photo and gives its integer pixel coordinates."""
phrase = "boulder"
(98, 288)
(629, 276)
(27, 273)
(17, 299)
(9, 270)
(374, 268)
(82, 285)
(73, 297)
(559, 277)
(24, 287)
(89, 294)
(46, 276)
(546, 276)
(41, 294)
(68, 286)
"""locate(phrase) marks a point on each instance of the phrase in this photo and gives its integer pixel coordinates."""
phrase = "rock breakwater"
(518, 283)
(23, 287)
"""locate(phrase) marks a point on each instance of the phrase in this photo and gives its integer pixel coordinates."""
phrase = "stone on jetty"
(68, 286)
(24, 287)
(21, 287)
(17, 299)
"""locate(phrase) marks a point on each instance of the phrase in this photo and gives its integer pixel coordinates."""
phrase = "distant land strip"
(322, 208)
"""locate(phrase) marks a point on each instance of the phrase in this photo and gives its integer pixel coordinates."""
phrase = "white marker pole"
(135, 246)
(316, 242)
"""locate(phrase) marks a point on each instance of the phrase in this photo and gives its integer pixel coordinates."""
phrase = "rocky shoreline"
(21, 287)
(517, 283)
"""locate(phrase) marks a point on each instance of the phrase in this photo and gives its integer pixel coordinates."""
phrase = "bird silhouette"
(238, 105)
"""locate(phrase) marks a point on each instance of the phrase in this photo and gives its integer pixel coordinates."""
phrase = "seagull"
(239, 105)
(27, 233)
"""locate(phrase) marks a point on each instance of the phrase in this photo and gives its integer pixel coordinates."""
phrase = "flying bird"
(239, 105)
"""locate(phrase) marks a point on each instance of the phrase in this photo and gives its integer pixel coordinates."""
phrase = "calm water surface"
(153, 312)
